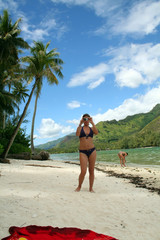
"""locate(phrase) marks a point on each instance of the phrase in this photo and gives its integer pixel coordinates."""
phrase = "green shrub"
(1, 149)
(19, 148)
(20, 144)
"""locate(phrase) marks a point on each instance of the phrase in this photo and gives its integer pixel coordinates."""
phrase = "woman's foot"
(91, 190)
(77, 189)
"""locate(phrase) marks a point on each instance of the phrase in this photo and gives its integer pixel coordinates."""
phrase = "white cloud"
(129, 78)
(67, 130)
(134, 65)
(49, 24)
(8, 4)
(143, 18)
(141, 104)
(29, 31)
(93, 76)
(74, 121)
(71, 2)
(75, 104)
(102, 8)
(46, 27)
(95, 84)
(50, 129)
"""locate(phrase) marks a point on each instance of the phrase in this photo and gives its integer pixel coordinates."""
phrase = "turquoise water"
(138, 156)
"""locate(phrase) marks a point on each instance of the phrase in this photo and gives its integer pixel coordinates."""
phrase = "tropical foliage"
(15, 73)
(21, 143)
(10, 71)
(11, 75)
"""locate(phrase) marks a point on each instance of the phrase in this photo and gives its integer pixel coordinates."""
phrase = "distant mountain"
(52, 144)
(138, 130)
(112, 133)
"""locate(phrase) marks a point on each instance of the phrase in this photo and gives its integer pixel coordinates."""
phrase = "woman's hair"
(86, 115)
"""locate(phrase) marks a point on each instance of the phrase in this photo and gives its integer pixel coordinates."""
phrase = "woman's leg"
(124, 162)
(120, 159)
(92, 160)
(83, 164)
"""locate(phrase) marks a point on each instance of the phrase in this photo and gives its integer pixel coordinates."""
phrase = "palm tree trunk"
(17, 117)
(1, 119)
(4, 119)
(5, 153)
(33, 121)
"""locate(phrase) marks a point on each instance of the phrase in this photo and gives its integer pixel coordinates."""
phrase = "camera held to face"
(85, 119)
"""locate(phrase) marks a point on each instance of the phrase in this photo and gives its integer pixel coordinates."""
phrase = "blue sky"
(111, 51)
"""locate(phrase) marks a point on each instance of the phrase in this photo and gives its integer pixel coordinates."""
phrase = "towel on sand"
(34, 232)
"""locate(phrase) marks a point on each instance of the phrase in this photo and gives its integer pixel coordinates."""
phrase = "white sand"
(44, 196)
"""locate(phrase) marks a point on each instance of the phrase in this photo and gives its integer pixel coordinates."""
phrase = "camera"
(85, 119)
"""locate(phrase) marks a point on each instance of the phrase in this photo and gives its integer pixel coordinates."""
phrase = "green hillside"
(52, 144)
(148, 136)
(139, 130)
(111, 133)
(69, 144)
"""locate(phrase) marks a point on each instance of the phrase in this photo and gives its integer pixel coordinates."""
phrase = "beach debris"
(4, 160)
(44, 155)
(137, 180)
(38, 165)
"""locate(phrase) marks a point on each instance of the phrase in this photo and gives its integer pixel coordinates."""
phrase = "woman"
(122, 156)
(87, 151)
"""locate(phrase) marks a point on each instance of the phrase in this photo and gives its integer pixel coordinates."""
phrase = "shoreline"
(140, 176)
(42, 193)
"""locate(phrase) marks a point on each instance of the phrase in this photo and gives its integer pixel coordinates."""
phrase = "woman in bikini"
(122, 156)
(87, 151)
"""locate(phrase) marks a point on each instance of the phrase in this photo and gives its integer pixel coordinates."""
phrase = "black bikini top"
(82, 133)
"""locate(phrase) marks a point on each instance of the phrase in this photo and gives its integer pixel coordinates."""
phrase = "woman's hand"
(91, 121)
(81, 121)
(95, 130)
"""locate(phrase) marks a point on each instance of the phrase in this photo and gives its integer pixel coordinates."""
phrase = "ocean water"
(137, 156)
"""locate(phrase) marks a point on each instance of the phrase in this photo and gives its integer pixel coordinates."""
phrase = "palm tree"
(17, 91)
(41, 65)
(10, 42)
(7, 105)
(5, 153)
(20, 91)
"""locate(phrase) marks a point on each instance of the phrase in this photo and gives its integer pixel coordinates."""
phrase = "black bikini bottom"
(87, 152)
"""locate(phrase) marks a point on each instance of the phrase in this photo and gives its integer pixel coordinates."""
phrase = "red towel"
(33, 232)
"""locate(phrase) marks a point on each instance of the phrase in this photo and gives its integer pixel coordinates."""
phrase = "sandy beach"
(42, 193)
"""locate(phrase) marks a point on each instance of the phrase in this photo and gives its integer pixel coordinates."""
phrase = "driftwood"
(25, 156)
(43, 155)
(4, 160)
